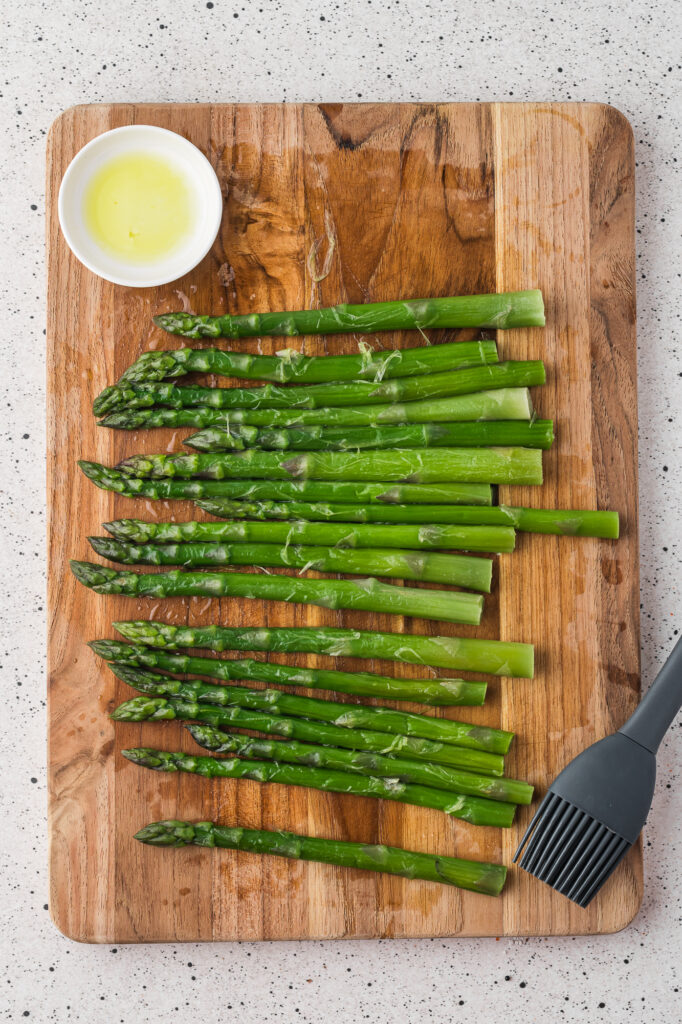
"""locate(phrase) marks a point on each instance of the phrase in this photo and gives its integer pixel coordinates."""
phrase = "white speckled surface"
(57, 54)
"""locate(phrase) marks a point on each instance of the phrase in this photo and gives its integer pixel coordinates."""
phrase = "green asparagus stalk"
(364, 763)
(468, 808)
(369, 595)
(167, 405)
(436, 692)
(465, 874)
(413, 748)
(285, 490)
(323, 512)
(290, 365)
(507, 309)
(564, 522)
(571, 523)
(399, 389)
(428, 567)
(493, 657)
(536, 434)
(409, 465)
(467, 538)
(349, 716)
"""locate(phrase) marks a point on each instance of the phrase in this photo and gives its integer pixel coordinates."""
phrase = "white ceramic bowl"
(200, 177)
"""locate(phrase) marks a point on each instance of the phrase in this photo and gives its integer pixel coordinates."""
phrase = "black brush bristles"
(570, 850)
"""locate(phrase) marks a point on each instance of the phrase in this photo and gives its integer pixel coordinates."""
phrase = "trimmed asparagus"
(499, 311)
(437, 692)
(436, 775)
(200, 407)
(571, 523)
(290, 365)
(467, 538)
(468, 808)
(494, 657)
(159, 709)
(521, 373)
(428, 567)
(348, 716)
(285, 490)
(536, 434)
(409, 465)
(369, 595)
(476, 876)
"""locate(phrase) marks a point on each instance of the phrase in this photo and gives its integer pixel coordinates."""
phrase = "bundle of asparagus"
(462, 380)
(414, 766)
(439, 692)
(418, 764)
(162, 709)
(468, 808)
(287, 367)
(364, 763)
(469, 538)
(459, 570)
(406, 443)
(348, 716)
(167, 405)
(491, 657)
(351, 491)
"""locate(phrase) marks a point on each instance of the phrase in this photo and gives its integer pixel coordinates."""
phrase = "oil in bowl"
(140, 205)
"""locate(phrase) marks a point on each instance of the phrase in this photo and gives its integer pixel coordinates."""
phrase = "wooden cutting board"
(434, 199)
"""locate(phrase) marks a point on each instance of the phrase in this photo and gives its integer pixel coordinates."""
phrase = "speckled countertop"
(55, 55)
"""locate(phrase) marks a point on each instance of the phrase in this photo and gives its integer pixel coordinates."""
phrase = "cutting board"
(355, 202)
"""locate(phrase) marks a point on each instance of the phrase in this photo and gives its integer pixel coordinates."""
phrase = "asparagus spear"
(166, 405)
(159, 709)
(290, 365)
(323, 511)
(348, 716)
(364, 763)
(536, 434)
(468, 538)
(428, 567)
(438, 692)
(507, 309)
(409, 465)
(403, 389)
(285, 490)
(494, 657)
(368, 595)
(465, 874)
(567, 522)
(468, 808)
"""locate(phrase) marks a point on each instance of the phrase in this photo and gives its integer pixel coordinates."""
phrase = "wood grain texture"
(414, 200)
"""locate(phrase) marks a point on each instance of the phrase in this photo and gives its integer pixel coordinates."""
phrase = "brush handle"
(656, 711)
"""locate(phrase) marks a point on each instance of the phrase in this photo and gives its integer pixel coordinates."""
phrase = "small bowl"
(200, 177)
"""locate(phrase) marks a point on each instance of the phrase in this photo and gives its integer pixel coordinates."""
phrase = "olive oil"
(138, 207)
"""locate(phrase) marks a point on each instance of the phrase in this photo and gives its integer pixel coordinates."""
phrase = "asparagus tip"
(166, 833)
(90, 574)
(103, 648)
(138, 709)
(146, 757)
